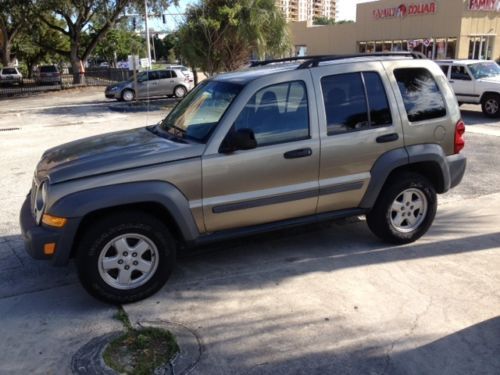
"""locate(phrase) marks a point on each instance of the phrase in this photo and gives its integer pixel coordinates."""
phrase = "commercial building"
(307, 10)
(439, 29)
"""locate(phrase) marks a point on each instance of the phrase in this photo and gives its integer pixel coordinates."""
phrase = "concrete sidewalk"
(326, 299)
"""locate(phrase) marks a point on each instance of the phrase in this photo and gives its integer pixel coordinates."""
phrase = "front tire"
(491, 105)
(125, 257)
(128, 95)
(404, 210)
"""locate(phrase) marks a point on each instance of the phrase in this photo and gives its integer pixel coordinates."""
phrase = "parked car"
(185, 70)
(10, 76)
(317, 138)
(475, 82)
(153, 83)
(47, 74)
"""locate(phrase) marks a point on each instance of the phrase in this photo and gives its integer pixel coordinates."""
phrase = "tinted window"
(9, 71)
(459, 72)
(345, 103)
(380, 113)
(173, 74)
(48, 69)
(421, 95)
(445, 69)
(154, 75)
(277, 114)
(164, 74)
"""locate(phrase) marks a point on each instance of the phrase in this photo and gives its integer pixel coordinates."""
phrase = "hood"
(111, 152)
(494, 79)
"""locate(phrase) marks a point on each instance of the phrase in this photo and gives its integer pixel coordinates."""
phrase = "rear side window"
(173, 73)
(445, 69)
(355, 101)
(164, 74)
(48, 69)
(421, 95)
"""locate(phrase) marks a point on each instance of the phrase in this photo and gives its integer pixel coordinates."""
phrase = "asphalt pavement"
(321, 299)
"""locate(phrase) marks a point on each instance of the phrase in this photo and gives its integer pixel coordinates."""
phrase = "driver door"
(278, 179)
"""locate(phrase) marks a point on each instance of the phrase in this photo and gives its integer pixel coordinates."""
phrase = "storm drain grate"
(8, 129)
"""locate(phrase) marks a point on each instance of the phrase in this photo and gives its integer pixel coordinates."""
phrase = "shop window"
(440, 49)
(421, 95)
(347, 107)
(451, 48)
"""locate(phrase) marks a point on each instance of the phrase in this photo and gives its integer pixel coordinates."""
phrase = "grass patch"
(139, 351)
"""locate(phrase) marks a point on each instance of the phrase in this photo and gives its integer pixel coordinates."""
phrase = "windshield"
(198, 114)
(484, 69)
(48, 69)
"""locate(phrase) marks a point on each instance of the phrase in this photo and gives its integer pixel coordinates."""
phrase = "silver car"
(10, 76)
(154, 83)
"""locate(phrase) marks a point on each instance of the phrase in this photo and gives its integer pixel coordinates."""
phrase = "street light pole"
(148, 46)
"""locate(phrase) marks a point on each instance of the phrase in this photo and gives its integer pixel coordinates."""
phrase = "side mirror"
(241, 139)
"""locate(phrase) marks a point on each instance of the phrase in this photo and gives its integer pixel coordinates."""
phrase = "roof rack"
(313, 61)
(255, 63)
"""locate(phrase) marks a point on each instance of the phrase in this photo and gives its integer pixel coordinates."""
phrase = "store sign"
(485, 5)
(403, 10)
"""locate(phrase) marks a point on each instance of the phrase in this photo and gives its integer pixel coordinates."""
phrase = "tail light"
(459, 140)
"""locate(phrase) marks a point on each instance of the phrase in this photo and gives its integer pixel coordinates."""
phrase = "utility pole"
(148, 46)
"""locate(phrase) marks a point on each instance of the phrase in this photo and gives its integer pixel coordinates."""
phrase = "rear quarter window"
(421, 95)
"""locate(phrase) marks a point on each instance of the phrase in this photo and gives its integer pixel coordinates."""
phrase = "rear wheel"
(180, 92)
(491, 105)
(125, 257)
(128, 95)
(404, 210)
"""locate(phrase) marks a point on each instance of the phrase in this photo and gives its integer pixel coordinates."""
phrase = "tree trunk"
(195, 75)
(6, 54)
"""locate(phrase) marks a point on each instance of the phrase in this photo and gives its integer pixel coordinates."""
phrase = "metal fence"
(96, 76)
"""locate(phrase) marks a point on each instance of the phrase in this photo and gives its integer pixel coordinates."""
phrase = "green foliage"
(329, 21)
(222, 35)
(119, 41)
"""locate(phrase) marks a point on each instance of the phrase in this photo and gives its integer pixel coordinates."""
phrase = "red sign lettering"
(485, 5)
(412, 9)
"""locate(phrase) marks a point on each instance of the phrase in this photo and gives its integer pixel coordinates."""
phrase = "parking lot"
(322, 299)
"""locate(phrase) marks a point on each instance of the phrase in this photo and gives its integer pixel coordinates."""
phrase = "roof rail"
(254, 63)
(313, 61)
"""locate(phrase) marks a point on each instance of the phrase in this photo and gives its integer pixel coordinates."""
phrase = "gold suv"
(283, 143)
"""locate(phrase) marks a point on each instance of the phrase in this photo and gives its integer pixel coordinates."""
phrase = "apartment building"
(307, 10)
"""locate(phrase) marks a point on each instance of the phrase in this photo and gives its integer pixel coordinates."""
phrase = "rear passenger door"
(358, 123)
(166, 82)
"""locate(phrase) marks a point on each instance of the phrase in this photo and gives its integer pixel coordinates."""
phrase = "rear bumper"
(456, 165)
(36, 236)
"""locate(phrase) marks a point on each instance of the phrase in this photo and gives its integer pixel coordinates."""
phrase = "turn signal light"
(54, 221)
(49, 248)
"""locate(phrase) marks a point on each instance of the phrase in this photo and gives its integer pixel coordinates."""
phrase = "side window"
(277, 114)
(459, 72)
(380, 113)
(421, 95)
(164, 74)
(355, 101)
(445, 69)
(153, 75)
(173, 74)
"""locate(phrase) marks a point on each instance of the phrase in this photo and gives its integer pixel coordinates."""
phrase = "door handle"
(387, 138)
(300, 153)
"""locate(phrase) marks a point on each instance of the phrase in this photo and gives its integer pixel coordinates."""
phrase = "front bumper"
(36, 236)
(456, 165)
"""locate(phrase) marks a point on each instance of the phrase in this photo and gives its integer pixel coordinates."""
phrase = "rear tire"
(490, 105)
(125, 257)
(180, 92)
(405, 209)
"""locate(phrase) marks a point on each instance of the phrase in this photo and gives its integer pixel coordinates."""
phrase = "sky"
(346, 11)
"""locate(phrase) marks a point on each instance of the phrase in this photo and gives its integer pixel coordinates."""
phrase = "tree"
(14, 15)
(118, 43)
(329, 21)
(222, 35)
(86, 22)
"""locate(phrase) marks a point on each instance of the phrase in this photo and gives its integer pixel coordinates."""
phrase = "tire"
(490, 105)
(180, 91)
(404, 210)
(125, 257)
(128, 95)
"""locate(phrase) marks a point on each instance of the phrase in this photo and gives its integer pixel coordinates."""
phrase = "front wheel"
(125, 257)
(404, 210)
(128, 95)
(491, 105)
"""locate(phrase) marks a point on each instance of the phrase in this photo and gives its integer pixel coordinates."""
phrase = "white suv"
(475, 82)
